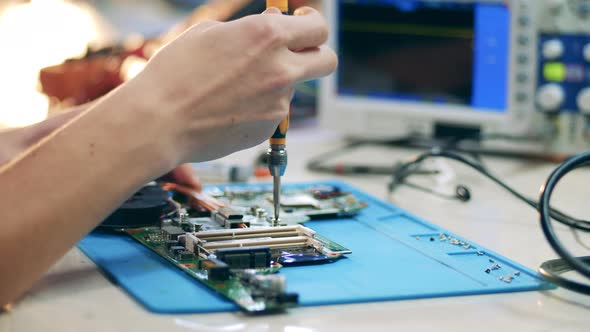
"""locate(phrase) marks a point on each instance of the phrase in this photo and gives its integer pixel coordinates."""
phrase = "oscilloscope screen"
(445, 53)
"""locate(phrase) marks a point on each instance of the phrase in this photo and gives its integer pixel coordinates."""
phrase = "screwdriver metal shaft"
(276, 198)
(277, 164)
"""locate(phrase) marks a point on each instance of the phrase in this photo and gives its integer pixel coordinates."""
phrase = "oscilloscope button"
(550, 97)
(587, 52)
(583, 100)
(553, 49)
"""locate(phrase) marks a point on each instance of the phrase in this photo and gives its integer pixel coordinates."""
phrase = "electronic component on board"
(171, 243)
(216, 269)
(325, 192)
(175, 250)
(303, 200)
(292, 259)
(229, 218)
(184, 255)
(245, 258)
(191, 226)
(172, 232)
(280, 238)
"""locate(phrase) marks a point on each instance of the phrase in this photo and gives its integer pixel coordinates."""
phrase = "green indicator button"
(554, 72)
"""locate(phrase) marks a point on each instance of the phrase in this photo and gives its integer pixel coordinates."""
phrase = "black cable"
(317, 164)
(455, 143)
(553, 269)
(462, 193)
(401, 173)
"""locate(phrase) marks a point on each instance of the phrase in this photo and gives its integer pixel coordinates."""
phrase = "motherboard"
(224, 237)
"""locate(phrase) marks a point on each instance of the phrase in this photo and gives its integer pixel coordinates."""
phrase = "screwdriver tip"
(276, 199)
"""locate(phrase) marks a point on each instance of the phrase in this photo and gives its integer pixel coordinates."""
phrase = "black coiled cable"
(553, 269)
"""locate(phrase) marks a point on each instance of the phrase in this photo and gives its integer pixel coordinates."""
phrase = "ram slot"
(192, 244)
(257, 242)
(256, 232)
(249, 236)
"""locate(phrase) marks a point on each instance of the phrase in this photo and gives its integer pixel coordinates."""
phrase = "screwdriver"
(277, 152)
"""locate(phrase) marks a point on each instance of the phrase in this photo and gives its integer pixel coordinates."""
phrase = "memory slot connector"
(275, 238)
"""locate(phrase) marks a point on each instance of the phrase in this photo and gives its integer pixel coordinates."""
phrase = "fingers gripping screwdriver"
(277, 152)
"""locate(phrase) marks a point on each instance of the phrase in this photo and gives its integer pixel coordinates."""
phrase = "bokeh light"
(35, 35)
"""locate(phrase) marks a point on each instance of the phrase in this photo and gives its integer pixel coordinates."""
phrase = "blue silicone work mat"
(395, 256)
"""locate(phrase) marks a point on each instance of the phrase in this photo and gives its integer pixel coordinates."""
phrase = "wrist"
(145, 129)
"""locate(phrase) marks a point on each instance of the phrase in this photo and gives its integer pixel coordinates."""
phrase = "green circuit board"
(233, 288)
(255, 289)
(297, 205)
(237, 253)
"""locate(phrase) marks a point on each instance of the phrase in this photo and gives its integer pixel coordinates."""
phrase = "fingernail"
(301, 11)
(272, 10)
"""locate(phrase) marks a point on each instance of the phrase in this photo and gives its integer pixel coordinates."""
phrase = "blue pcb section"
(395, 256)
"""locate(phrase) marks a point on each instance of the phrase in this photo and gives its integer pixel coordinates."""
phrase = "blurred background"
(505, 79)
(61, 53)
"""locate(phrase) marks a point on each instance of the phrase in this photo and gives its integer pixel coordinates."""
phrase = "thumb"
(272, 10)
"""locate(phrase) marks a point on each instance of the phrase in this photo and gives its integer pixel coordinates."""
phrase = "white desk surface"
(75, 296)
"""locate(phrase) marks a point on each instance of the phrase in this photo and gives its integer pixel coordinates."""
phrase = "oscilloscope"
(418, 68)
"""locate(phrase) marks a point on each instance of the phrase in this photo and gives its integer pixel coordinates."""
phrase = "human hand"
(223, 87)
(184, 175)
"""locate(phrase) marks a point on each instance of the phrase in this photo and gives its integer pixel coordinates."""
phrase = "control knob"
(550, 97)
(583, 101)
(552, 49)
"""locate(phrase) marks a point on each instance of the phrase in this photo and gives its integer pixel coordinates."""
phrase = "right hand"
(223, 87)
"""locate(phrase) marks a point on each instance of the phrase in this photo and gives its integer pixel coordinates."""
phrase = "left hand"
(184, 175)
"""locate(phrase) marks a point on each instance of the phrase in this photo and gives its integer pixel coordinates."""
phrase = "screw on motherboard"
(487, 270)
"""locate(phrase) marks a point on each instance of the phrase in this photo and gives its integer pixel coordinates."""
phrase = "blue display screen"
(439, 52)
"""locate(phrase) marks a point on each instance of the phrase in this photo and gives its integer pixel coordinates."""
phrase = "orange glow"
(33, 36)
